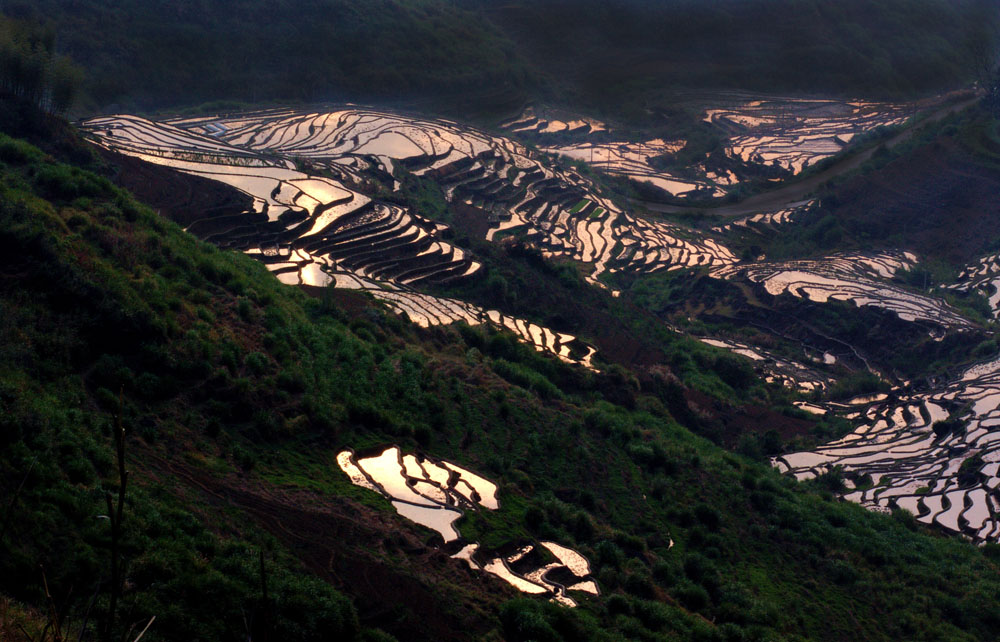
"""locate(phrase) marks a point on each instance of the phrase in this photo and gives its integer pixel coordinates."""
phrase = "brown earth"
(731, 422)
(183, 198)
(470, 221)
(353, 303)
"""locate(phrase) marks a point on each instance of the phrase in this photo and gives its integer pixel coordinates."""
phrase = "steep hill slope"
(238, 393)
(934, 196)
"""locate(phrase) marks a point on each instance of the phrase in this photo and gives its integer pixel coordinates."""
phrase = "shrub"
(618, 605)
(707, 516)
(526, 378)
(639, 585)
(17, 151)
(692, 596)
(67, 183)
(522, 622)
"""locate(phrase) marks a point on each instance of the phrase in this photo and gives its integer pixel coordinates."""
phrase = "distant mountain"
(485, 57)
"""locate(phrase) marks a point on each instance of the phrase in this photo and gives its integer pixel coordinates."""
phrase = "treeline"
(31, 70)
(151, 54)
(613, 51)
(471, 56)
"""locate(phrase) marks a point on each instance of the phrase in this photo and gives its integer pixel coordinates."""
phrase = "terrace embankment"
(183, 198)
(836, 315)
(329, 226)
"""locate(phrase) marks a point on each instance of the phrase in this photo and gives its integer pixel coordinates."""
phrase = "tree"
(992, 98)
(31, 71)
(115, 515)
(65, 81)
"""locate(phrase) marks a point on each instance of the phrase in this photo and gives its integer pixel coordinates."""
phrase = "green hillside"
(236, 393)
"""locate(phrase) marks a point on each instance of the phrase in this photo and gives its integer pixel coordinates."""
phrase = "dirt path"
(797, 192)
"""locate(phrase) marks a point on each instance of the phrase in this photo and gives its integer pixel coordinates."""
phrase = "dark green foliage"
(67, 183)
(188, 52)
(861, 383)
(31, 70)
(461, 54)
(522, 621)
(228, 375)
(616, 51)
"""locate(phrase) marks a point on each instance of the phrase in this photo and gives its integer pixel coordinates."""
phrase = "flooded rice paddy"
(933, 452)
(435, 494)
(312, 177)
(540, 122)
(795, 134)
(982, 277)
(862, 279)
(786, 134)
(315, 178)
(769, 222)
(634, 161)
(315, 230)
(945, 474)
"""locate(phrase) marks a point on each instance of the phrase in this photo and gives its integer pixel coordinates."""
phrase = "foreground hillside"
(237, 393)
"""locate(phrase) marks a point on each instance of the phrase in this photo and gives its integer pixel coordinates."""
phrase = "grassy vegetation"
(235, 384)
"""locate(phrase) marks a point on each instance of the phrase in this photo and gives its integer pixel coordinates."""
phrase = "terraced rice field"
(983, 277)
(795, 134)
(948, 477)
(315, 230)
(316, 220)
(436, 493)
(859, 278)
(632, 160)
(534, 121)
(768, 222)
(324, 227)
(588, 142)
(789, 373)
(786, 133)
